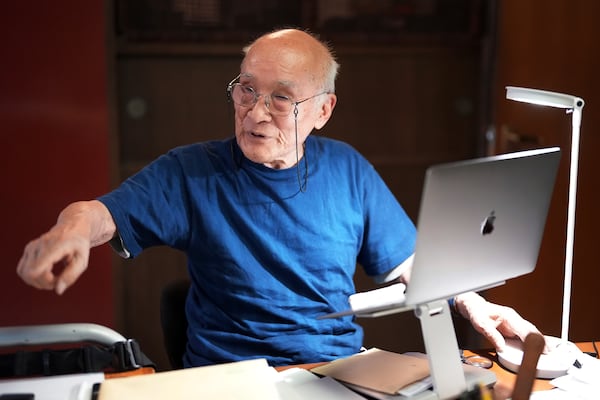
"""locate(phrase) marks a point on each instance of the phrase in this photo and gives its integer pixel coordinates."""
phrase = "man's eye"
(247, 90)
(280, 98)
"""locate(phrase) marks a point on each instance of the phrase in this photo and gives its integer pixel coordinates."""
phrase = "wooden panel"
(408, 106)
(165, 102)
(559, 52)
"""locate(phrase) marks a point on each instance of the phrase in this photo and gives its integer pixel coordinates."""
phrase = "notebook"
(481, 222)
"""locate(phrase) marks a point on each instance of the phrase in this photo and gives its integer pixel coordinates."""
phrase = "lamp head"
(543, 97)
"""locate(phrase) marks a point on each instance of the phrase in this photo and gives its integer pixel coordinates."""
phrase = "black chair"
(173, 320)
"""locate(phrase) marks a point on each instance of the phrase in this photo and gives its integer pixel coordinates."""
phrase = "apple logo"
(487, 226)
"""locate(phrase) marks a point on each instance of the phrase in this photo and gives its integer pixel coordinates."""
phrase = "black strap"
(119, 357)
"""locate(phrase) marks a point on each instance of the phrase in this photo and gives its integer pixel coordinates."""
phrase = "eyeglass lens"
(245, 96)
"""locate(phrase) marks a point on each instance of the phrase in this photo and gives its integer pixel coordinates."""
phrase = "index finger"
(74, 266)
(34, 270)
(52, 264)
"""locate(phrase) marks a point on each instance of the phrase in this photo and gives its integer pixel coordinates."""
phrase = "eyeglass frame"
(257, 95)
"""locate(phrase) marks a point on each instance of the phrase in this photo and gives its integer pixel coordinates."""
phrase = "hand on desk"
(493, 321)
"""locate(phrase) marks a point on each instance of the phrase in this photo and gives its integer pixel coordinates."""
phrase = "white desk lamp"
(557, 362)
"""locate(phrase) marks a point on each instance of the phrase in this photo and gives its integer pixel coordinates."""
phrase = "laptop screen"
(481, 222)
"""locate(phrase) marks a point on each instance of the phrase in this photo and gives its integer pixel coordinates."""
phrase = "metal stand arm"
(442, 349)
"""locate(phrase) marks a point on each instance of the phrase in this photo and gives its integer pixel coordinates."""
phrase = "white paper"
(554, 394)
(248, 380)
(581, 382)
(63, 387)
(300, 384)
(382, 297)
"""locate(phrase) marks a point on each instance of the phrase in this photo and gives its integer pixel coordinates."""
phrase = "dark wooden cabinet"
(350, 21)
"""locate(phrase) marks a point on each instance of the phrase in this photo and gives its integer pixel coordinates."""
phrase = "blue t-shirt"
(266, 258)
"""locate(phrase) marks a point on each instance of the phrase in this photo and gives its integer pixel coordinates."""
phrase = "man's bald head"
(302, 50)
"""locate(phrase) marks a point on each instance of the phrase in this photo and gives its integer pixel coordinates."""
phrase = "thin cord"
(301, 186)
(237, 161)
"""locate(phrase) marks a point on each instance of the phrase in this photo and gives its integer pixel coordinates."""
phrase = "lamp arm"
(572, 201)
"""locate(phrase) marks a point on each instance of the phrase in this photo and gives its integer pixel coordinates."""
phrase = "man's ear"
(326, 110)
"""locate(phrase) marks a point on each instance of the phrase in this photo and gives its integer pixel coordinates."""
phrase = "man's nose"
(260, 109)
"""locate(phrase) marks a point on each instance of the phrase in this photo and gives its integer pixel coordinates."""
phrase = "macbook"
(481, 222)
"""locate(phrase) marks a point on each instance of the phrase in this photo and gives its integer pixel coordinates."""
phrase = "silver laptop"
(481, 222)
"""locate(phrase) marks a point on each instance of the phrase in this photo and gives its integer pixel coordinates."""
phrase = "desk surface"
(505, 379)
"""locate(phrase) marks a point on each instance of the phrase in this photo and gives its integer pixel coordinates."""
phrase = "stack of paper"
(582, 379)
(300, 384)
(380, 371)
(248, 380)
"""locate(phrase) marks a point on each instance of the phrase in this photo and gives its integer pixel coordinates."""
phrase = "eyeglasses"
(278, 105)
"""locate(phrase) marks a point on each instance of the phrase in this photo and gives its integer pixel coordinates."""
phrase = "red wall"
(55, 147)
